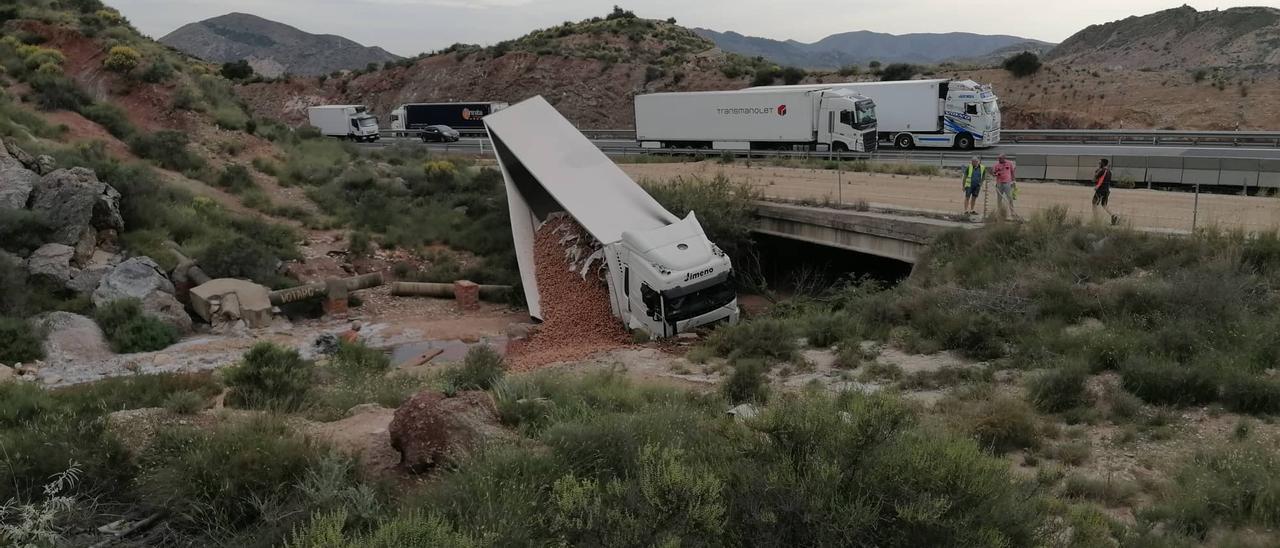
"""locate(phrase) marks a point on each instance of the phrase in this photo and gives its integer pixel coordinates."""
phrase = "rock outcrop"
(53, 261)
(16, 184)
(142, 279)
(72, 338)
(432, 428)
(76, 204)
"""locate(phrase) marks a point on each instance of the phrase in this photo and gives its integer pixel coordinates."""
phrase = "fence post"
(1195, 211)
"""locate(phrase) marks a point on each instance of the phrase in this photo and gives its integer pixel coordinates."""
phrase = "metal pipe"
(312, 291)
(445, 291)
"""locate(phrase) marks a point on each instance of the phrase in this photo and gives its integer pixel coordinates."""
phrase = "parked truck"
(782, 119)
(664, 275)
(927, 113)
(345, 122)
(417, 116)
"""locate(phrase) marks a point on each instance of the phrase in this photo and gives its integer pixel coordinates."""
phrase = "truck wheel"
(904, 142)
(964, 142)
(839, 147)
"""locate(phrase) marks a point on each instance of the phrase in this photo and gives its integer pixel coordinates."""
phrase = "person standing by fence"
(1005, 173)
(1102, 190)
(974, 174)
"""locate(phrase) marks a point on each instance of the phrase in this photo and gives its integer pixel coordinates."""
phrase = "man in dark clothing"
(1102, 190)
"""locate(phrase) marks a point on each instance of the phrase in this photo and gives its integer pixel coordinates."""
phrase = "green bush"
(768, 339)
(1058, 389)
(1234, 485)
(725, 208)
(122, 59)
(1160, 381)
(899, 71)
(56, 92)
(356, 357)
(168, 149)
(239, 257)
(111, 118)
(228, 478)
(239, 70)
(20, 342)
(1245, 393)
(747, 383)
(269, 377)
(793, 75)
(1023, 64)
(130, 330)
(184, 403)
(823, 330)
(480, 369)
(236, 178)
(1005, 423)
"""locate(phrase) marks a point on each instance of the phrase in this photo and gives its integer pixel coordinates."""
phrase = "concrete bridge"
(900, 237)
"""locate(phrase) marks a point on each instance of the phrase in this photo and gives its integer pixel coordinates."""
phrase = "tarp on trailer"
(549, 166)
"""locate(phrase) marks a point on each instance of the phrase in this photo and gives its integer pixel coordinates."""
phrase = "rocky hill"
(589, 70)
(1180, 38)
(272, 48)
(862, 47)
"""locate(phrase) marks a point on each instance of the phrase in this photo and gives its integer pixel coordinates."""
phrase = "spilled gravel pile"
(577, 318)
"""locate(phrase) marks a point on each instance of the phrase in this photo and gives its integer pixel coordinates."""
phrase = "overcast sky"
(408, 27)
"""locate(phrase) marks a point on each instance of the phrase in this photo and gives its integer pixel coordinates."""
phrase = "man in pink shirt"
(1006, 187)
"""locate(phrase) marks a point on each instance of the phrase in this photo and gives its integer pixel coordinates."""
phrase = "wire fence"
(1174, 211)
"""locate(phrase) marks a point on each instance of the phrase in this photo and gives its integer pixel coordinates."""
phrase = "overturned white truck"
(664, 276)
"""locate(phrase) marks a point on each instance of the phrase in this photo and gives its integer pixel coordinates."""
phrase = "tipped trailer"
(664, 275)
(927, 113)
(809, 119)
(351, 122)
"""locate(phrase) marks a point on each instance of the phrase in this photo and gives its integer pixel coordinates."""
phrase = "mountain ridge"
(862, 47)
(271, 47)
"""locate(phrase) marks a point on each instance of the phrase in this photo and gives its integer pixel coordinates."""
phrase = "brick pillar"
(467, 294)
(335, 300)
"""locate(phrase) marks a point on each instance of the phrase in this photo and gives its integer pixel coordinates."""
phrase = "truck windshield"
(368, 122)
(699, 302)
(866, 114)
(991, 107)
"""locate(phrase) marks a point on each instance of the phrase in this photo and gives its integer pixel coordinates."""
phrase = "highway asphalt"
(617, 146)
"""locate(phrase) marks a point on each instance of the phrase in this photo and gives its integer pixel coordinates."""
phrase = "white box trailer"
(808, 119)
(926, 113)
(664, 275)
(345, 122)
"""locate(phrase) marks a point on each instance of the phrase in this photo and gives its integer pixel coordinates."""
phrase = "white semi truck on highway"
(664, 275)
(926, 113)
(757, 119)
(345, 122)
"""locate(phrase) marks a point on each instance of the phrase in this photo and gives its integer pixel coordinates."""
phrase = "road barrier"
(1245, 173)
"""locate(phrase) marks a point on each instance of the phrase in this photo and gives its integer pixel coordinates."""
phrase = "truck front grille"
(870, 142)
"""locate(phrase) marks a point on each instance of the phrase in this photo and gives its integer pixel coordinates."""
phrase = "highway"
(616, 147)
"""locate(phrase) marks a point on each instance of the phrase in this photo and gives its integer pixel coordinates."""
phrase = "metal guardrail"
(1154, 137)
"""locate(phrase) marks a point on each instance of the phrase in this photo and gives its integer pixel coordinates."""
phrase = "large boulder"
(12, 154)
(72, 339)
(142, 279)
(432, 428)
(16, 184)
(53, 261)
(75, 202)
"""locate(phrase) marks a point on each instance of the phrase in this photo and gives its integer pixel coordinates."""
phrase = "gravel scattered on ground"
(577, 318)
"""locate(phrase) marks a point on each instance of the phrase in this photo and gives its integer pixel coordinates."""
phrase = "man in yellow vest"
(974, 174)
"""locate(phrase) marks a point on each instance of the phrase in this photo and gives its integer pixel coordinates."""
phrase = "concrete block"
(227, 300)
(467, 295)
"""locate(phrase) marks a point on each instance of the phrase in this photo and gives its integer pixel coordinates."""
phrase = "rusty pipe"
(445, 291)
(313, 291)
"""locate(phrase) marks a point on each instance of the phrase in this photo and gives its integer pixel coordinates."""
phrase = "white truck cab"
(345, 122)
(664, 275)
(972, 108)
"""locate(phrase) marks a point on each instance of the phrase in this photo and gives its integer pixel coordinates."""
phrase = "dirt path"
(1148, 209)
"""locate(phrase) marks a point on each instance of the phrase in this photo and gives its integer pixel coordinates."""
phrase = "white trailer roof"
(581, 179)
(889, 84)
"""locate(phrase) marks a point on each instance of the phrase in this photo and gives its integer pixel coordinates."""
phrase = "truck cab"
(364, 127)
(344, 122)
(673, 279)
(847, 122)
(971, 112)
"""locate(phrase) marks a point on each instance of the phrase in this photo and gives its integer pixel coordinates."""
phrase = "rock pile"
(578, 320)
(431, 428)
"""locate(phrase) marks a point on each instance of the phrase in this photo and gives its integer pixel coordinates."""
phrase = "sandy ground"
(1146, 209)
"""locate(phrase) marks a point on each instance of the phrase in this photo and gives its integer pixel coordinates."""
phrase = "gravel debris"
(578, 320)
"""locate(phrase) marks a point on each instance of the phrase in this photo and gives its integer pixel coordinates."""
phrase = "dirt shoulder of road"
(1140, 208)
